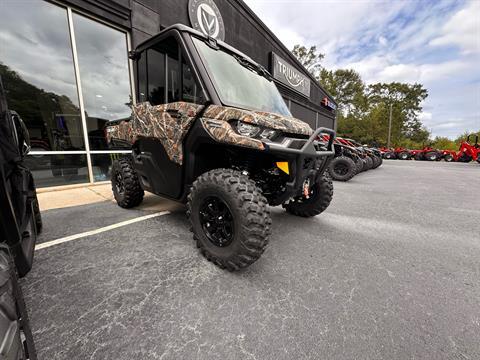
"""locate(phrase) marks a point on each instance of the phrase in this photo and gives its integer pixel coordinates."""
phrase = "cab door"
(169, 97)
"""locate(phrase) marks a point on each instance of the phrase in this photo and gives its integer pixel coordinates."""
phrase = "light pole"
(389, 127)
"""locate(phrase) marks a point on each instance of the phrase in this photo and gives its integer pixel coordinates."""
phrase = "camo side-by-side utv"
(20, 220)
(210, 129)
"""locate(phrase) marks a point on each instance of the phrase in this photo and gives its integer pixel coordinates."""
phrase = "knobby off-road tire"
(359, 166)
(342, 168)
(320, 197)
(389, 155)
(38, 215)
(364, 164)
(377, 161)
(16, 340)
(125, 184)
(247, 217)
(369, 161)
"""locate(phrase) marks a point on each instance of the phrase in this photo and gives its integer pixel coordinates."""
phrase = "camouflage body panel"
(169, 123)
(286, 124)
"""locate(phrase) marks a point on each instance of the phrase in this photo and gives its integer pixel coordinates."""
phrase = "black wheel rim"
(217, 221)
(341, 169)
(119, 183)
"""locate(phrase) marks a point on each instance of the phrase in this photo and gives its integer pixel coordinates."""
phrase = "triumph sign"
(287, 74)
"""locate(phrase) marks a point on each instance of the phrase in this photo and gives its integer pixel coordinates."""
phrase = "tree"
(406, 102)
(466, 134)
(443, 143)
(309, 58)
(347, 88)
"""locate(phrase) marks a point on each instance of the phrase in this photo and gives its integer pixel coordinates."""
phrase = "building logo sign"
(206, 18)
(287, 74)
(328, 103)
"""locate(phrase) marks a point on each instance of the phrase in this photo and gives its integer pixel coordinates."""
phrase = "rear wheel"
(230, 218)
(342, 168)
(125, 184)
(431, 156)
(321, 194)
(465, 158)
(388, 155)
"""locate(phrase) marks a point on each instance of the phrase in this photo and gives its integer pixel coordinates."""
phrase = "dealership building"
(66, 71)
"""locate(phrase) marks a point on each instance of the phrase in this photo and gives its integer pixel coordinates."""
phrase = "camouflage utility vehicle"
(211, 129)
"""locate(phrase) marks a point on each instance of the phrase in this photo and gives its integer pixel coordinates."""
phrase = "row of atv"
(466, 153)
(352, 158)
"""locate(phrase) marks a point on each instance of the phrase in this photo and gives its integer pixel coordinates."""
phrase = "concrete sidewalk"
(57, 198)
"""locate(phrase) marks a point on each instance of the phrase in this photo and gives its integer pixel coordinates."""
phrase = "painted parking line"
(99, 230)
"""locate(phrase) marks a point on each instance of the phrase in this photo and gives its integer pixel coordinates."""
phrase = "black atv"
(216, 134)
(372, 157)
(20, 220)
(346, 164)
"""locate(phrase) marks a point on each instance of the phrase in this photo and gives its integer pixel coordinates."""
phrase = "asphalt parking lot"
(390, 271)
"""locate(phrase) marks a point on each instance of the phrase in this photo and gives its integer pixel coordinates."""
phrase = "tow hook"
(306, 188)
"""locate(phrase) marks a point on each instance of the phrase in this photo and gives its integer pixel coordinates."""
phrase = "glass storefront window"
(102, 165)
(55, 170)
(103, 63)
(38, 70)
(36, 66)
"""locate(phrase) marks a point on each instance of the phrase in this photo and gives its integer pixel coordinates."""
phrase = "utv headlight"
(255, 131)
(246, 129)
(268, 134)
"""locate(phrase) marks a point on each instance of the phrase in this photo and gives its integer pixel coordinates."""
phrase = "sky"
(435, 43)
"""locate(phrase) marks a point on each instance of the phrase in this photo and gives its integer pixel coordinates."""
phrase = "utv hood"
(282, 123)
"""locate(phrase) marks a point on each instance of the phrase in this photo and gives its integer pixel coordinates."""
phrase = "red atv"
(402, 153)
(427, 153)
(388, 153)
(466, 153)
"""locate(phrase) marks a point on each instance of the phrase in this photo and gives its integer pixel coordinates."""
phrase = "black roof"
(187, 29)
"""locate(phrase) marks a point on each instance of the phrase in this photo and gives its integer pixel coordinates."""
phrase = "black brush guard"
(308, 162)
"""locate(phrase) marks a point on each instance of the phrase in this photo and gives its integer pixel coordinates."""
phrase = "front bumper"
(307, 159)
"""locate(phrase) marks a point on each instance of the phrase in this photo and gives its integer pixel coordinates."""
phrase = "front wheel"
(403, 155)
(319, 199)
(377, 161)
(448, 158)
(369, 162)
(230, 218)
(342, 168)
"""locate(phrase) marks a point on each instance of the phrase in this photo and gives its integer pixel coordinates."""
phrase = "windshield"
(240, 83)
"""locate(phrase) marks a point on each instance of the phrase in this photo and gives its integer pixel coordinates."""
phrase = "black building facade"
(66, 71)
